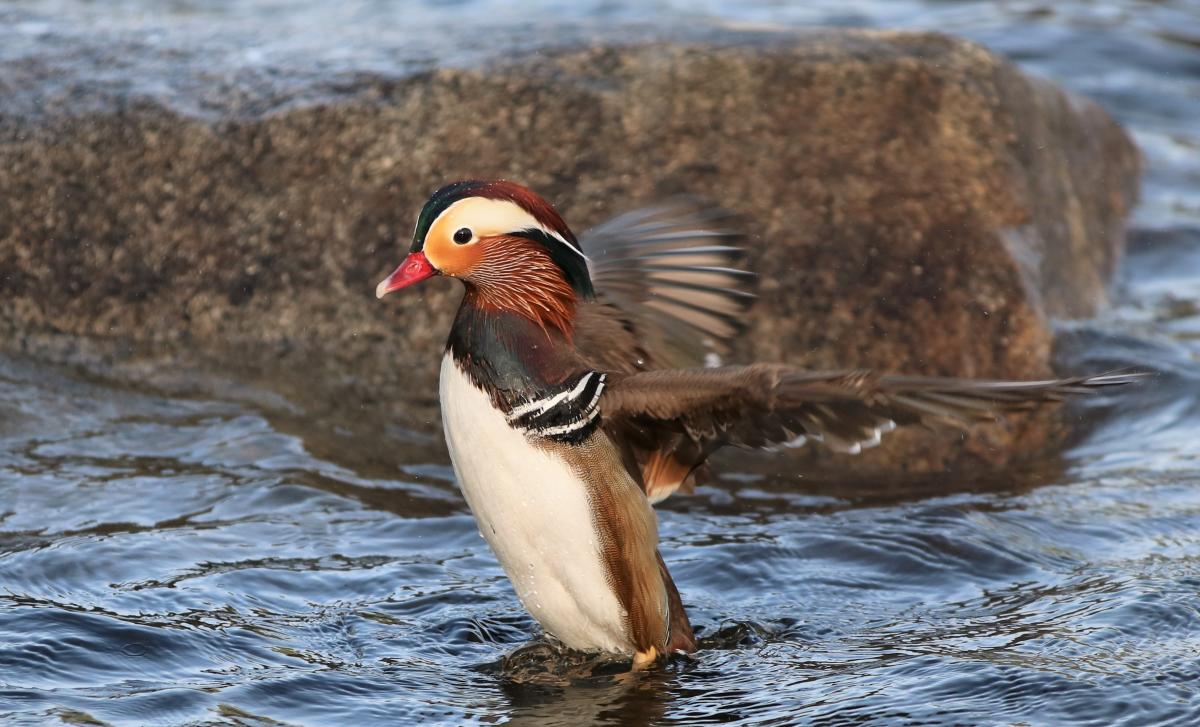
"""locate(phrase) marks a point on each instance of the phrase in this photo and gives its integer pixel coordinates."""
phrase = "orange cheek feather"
(516, 275)
(452, 259)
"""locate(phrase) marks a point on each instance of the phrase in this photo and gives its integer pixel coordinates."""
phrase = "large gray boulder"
(913, 202)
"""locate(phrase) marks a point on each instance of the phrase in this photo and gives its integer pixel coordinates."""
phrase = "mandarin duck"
(567, 415)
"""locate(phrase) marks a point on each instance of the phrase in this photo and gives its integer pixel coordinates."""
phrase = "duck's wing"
(681, 416)
(668, 291)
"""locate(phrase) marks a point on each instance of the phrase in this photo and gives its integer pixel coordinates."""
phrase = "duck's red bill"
(414, 269)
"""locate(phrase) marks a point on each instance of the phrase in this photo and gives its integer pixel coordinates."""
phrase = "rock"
(913, 202)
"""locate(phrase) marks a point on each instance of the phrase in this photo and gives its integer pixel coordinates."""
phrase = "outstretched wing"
(682, 416)
(667, 286)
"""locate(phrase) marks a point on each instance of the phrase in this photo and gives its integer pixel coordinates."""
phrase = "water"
(177, 554)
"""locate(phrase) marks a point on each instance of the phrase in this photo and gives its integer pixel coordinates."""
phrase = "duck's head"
(506, 243)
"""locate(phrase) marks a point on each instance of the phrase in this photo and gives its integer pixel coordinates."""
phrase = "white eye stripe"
(487, 217)
(563, 240)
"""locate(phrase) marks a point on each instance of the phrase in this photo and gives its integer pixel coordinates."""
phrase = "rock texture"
(913, 202)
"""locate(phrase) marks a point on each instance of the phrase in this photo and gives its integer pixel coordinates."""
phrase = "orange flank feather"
(662, 475)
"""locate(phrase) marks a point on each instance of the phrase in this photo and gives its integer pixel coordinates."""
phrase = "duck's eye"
(463, 236)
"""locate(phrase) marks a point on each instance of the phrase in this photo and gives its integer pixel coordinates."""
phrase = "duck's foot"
(645, 659)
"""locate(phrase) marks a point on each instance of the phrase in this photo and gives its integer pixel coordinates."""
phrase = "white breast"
(534, 512)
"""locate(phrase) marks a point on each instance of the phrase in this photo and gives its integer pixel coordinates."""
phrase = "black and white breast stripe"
(566, 415)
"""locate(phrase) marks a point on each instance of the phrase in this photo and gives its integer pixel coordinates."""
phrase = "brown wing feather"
(667, 294)
(667, 291)
(692, 412)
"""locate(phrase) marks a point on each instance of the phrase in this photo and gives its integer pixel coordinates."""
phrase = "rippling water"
(170, 557)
